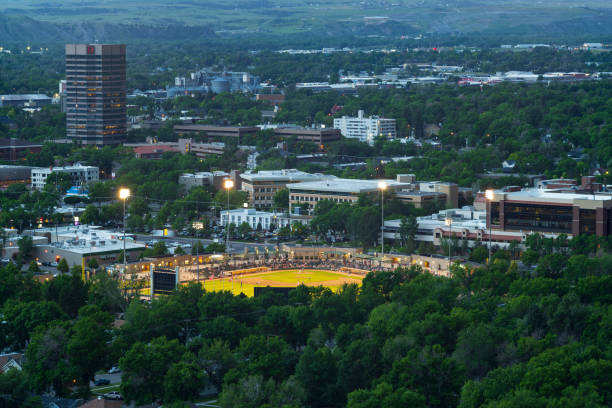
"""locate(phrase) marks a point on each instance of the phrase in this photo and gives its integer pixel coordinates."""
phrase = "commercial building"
(14, 149)
(204, 178)
(308, 194)
(366, 129)
(262, 185)
(320, 136)
(259, 220)
(217, 131)
(25, 100)
(14, 174)
(79, 244)
(152, 152)
(551, 211)
(513, 214)
(79, 174)
(95, 94)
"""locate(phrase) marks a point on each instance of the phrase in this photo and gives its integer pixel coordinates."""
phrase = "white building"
(79, 244)
(79, 174)
(338, 190)
(258, 219)
(366, 129)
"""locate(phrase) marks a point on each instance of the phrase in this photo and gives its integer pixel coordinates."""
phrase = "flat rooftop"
(341, 185)
(287, 175)
(541, 195)
(88, 239)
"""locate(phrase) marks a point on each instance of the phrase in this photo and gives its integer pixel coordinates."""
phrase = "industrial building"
(366, 129)
(95, 94)
(79, 174)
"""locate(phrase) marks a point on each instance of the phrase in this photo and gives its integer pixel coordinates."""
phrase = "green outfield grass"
(290, 278)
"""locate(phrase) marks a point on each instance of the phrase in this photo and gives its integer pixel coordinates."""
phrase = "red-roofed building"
(153, 152)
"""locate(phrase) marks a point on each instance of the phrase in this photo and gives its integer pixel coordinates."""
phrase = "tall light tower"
(124, 194)
(382, 186)
(449, 221)
(489, 195)
(228, 184)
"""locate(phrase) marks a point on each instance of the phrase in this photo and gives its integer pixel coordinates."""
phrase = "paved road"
(235, 246)
(113, 378)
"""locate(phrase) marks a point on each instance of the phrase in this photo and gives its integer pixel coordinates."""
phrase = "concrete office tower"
(95, 94)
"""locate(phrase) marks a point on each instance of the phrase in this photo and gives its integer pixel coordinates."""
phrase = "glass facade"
(538, 217)
(587, 221)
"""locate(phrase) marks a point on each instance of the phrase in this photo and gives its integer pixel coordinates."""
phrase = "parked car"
(113, 395)
(114, 370)
(102, 381)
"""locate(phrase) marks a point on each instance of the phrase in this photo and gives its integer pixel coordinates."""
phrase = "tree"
(244, 229)
(179, 251)
(281, 198)
(408, 229)
(14, 391)
(47, 361)
(34, 268)
(184, 380)
(26, 246)
(88, 347)
(92, 263)
(197, 248)
(91, 215)
(144, 368)
(104, 292)
(62, 266)
(316, 371)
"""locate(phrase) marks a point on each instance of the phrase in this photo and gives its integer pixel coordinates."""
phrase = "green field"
(290, 278)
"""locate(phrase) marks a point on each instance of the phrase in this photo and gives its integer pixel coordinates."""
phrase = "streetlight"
(228, 184)
(449, 221)
(124, 194)
(489, 195)
(382, 186)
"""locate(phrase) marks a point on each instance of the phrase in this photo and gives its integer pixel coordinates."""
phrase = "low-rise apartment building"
(79, 175)
(366, 129)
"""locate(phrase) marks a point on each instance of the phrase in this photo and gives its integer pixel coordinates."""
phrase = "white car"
(114, 370)
(113, 395)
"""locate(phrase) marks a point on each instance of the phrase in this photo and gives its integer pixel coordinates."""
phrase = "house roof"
(6, 359)
(154, 149)
(102, 403)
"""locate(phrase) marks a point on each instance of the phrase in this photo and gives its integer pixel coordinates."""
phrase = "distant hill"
(22, 28)
(161, 19)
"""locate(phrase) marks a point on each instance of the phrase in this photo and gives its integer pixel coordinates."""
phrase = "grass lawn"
(292, 278)
(105, 388)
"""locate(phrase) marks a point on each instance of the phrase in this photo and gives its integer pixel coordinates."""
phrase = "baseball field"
(284, 278)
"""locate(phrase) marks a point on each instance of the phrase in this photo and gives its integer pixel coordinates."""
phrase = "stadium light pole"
(382, 186)
(228, 184)
(124, 194)
(489, 195)
(449, 221)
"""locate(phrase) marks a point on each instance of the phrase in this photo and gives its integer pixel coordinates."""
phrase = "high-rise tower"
(95, 94)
